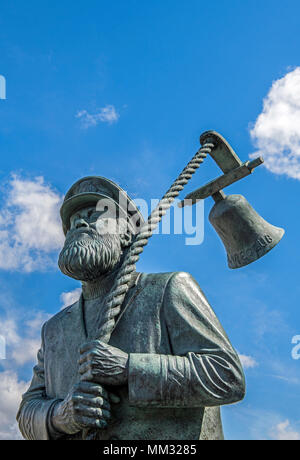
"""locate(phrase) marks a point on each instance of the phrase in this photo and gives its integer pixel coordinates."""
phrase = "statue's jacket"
(182, 366)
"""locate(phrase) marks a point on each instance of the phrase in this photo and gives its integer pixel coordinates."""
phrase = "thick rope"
(120, 287)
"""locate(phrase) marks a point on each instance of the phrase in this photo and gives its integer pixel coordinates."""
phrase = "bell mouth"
(245, 234)
(261, 247)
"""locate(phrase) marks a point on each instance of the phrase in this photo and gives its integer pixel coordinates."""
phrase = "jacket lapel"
(133, 292)
(74, 333)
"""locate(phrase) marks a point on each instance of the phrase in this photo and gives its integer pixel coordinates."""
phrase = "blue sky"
(123, 89)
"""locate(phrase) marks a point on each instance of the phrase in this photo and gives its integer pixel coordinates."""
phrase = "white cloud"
(25, 351)
(34, 325)
(290, 379)
(22, 336)
(260, 424)
(247, 361)
(22, 349)
(283, 432)
(276, 132)
(68, 298)
(107, 114)
(30, 227)
(11, 390)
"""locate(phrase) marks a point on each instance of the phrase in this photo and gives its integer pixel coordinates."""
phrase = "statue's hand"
(103, 363)
(86, 406)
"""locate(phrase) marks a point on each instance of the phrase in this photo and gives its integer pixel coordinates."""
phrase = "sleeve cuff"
(145, 379)
(52, 432)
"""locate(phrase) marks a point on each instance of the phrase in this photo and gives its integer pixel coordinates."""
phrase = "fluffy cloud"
(107, 114)
(68, 298)
(260, 424)
(283, 432)
(22, 349)
(247, 361)
(30, 227)
(11, 390)
(22, 340)
(276, 132)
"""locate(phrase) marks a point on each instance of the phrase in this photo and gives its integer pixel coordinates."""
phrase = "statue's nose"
(81, 223)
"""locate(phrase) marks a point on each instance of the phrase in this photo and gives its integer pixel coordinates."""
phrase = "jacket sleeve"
(203, 370)
(36, 408)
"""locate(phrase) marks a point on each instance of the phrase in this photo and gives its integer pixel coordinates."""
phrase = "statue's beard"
(86, 255)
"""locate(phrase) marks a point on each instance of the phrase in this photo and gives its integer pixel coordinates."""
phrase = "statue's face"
(92, 246)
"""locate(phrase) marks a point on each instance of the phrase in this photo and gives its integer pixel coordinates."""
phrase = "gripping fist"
(103, 364)
(86, 406)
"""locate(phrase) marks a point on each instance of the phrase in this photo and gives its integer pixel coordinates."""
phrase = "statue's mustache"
(75, 234)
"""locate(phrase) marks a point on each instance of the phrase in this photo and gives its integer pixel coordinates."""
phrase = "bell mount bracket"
(228, 161)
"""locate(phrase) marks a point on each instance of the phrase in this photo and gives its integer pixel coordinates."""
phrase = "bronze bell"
(245, 234)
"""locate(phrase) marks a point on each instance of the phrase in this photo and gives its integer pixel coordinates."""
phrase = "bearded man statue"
(168, 366)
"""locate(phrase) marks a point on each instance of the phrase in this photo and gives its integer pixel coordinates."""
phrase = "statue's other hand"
(102, 363)
(86, 406)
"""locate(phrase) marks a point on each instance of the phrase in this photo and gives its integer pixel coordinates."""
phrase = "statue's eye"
(90, 213)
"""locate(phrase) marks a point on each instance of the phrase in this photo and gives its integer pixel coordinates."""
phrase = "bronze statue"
(139, 356)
